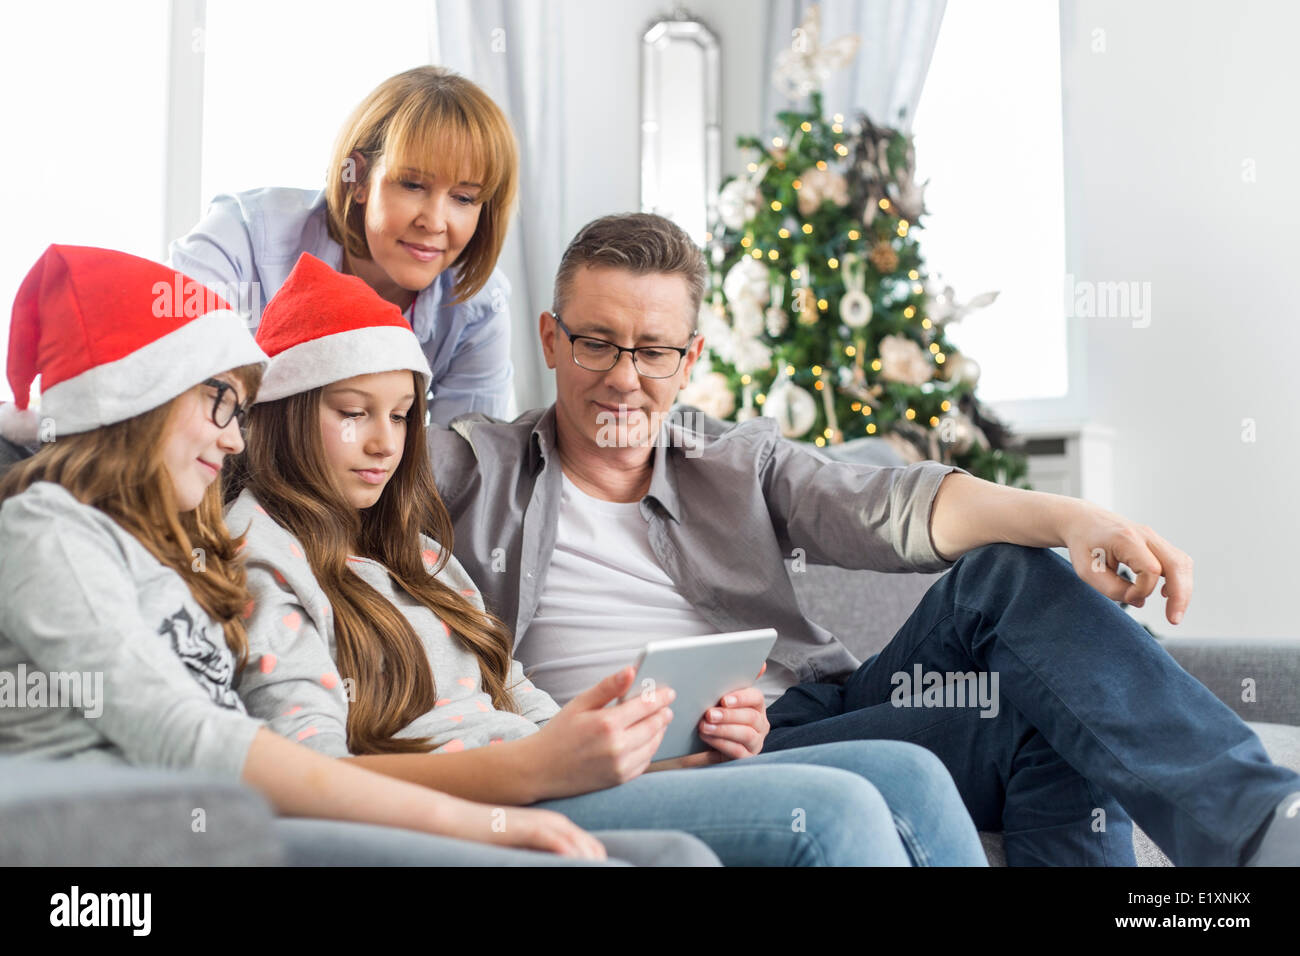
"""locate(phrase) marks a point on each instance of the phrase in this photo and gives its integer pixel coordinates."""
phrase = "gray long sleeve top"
(82, 601)
(292, 680)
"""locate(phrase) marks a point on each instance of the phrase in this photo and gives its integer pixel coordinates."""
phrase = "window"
(988, 137)
(280, 79)
(85, 118)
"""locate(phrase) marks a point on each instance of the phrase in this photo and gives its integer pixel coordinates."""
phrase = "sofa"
(72, 814)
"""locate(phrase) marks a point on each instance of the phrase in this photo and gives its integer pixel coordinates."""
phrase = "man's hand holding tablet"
(737, 727)
(712, 678)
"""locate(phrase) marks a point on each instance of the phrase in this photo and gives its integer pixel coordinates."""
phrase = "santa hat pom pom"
(21, 426)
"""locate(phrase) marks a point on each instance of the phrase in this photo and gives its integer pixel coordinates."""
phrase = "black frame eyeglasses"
(642, 351)
(233, 409)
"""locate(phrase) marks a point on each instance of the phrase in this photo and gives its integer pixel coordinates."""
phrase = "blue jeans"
(314, 842)
(1094, 718)
(859, 803)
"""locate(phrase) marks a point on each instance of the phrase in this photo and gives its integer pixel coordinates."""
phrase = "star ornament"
(807, 65)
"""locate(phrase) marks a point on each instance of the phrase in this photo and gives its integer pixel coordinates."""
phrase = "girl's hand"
(590, 746)
(519, 827)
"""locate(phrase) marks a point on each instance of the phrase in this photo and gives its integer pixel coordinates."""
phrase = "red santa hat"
(323, 326)
(112, 336)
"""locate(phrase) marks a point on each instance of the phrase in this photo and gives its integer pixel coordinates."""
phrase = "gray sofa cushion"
(70, 813)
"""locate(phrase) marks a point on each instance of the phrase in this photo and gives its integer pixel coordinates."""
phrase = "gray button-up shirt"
(727, 505)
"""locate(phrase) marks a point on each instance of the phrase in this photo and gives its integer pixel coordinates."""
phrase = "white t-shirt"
(605, 596)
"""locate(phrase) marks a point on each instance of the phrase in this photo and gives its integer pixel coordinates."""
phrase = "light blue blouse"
(247, 244)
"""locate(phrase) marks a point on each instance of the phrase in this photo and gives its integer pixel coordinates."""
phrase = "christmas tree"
(821, 312)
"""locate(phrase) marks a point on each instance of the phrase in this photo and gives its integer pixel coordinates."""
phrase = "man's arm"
(969, 513)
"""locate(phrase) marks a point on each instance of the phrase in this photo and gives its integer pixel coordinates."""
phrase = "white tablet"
(701, 670)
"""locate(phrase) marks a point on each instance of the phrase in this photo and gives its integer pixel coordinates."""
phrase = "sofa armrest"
(1225, 665)
(81, 813)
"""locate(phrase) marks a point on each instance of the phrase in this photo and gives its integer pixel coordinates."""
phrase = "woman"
(116, 563)
(418, 194)
(371, 643)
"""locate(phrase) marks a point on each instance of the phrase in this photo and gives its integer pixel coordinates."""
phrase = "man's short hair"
(640, 242)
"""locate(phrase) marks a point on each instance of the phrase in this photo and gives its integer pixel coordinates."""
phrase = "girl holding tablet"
(369, 642)
(116, 563)
(418, 194)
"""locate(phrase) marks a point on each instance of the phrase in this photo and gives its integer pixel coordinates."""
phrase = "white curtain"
(498, 44)
(885, 79)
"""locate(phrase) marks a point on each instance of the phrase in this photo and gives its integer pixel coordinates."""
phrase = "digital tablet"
(701, 670)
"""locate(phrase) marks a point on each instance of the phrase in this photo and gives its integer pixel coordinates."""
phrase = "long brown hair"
(119, 469)
(285, 466)
(429, 118)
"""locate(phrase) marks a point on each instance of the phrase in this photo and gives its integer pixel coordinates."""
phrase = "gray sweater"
(292, 681)
(105, 655)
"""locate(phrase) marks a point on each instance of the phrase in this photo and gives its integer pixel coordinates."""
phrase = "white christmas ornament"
(793, 408)
(855, 309)
(711, 394)
(902, 360)
(748, 278)
(855, 306)
(816, 185)
(738, 202)
(749, 356)
(746, 318)
(807, 65)
(712, 323)
(775, 321)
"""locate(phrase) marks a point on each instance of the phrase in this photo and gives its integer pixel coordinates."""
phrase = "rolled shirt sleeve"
(851, 515)
(69, 602)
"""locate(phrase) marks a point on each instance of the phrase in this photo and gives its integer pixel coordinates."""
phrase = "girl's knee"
(831, 794)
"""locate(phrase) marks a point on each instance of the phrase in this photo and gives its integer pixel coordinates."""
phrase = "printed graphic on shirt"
(211, 665)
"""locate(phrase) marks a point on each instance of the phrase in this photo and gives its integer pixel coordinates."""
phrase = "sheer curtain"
(898, 38)
(499, 45)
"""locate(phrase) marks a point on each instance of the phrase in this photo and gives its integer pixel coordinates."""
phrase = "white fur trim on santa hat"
(22, 427)
(151, 375)
(332, 358)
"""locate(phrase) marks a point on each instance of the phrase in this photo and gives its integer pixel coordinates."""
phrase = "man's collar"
(541, 442)
(663, 480)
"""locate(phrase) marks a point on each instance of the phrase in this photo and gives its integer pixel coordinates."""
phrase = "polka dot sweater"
(292, 682)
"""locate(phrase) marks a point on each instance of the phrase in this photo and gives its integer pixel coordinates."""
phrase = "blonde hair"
(376, 647)
(430, 119)
(119, 469)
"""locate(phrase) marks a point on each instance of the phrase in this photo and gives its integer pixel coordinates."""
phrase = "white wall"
(1157, 128)
(603, 88)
